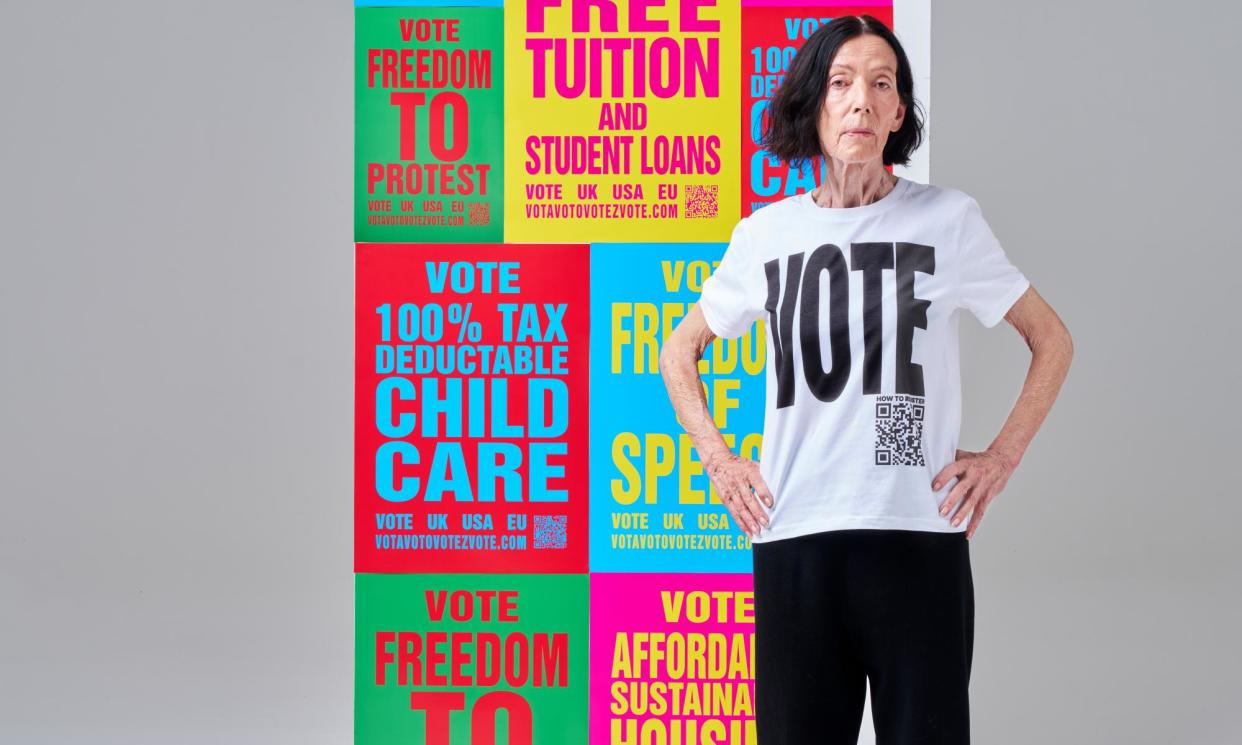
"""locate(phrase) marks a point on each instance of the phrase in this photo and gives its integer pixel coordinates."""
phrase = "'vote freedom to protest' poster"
(471, 418)
(672, 659)
(470, 659)
(653, 507)
(428, 156)
(620, 120)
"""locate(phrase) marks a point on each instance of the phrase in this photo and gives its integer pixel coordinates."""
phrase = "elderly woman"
(861, 504)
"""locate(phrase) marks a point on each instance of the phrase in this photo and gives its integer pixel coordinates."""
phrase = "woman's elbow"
(674, 353)
(1056, 340)
(670, 354)
(1061, 338)
(684, 346)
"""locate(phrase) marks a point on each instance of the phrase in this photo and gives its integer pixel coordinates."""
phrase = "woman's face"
(861, 107)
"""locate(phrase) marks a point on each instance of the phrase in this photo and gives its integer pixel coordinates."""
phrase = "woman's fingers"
(744, 493)
(762, 490)
(968, 506)
(744, 504)
(976, 517)
(751, 501)
(980, 480)
(740, 508)
(956, 494)
(956, 468)
(729, 487)
(754, 494)
(737, 519)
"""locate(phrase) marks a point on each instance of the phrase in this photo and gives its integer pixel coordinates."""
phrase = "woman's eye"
(884, 83)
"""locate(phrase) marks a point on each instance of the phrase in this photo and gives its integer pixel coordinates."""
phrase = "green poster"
(470, 659)
(428, 113)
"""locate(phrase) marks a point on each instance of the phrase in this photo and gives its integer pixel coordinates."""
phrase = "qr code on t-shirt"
(701, 200)
(899, 433)
(549, 531)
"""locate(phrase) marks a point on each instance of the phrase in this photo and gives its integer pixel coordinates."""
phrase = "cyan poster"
(653, 507)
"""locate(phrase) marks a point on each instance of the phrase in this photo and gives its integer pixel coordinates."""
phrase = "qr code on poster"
(899, 433)
(480, 213)
(701, 200)
(549, 531)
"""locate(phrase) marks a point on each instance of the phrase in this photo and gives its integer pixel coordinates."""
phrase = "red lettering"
(382, 655)
(407, 104)
(437, 705)
(409, 648)
(461, 120)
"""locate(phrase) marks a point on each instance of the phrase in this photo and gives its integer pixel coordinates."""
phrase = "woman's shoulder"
(938, 197)
(945, 199)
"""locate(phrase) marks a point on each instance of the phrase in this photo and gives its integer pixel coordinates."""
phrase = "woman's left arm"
(982, 476)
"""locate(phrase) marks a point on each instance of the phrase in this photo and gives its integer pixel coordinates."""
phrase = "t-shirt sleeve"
(733, 296)
(988, 284)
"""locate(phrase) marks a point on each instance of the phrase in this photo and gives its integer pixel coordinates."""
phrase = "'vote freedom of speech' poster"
(621, 120)
(672, 659)
(772, 33)
(428, 156)
(470, 659)
(653, 507)
(471, 418)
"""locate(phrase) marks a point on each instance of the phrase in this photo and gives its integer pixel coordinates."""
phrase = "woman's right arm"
(732, 475)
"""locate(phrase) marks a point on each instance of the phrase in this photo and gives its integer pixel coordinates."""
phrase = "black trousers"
(836, 608)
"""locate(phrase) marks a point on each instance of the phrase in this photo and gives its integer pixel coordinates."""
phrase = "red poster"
(771, 35)
(471, 408)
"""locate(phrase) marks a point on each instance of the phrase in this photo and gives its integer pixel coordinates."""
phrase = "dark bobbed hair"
(792, 134)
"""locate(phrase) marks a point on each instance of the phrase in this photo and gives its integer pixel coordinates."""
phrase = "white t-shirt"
(863, 400)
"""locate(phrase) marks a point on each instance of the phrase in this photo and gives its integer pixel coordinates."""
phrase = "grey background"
(175, 329)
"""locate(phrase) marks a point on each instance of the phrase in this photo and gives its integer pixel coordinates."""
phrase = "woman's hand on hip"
(980, 477)
(741, 488)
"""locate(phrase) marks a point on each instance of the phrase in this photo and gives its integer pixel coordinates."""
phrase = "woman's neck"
(853, 184)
